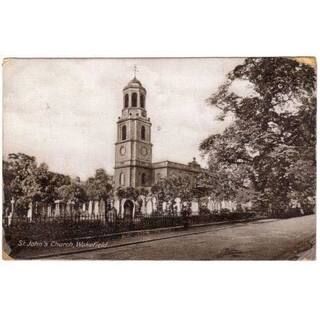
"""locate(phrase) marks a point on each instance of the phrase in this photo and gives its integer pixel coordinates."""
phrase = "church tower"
(133, 149)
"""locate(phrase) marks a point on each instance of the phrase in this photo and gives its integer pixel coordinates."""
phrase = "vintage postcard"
(159, 158)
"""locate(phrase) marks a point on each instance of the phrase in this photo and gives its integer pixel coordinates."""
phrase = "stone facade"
(167, 168)
(133, 148)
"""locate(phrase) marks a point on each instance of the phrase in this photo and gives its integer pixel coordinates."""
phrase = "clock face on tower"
(123, 150)
(144, 151)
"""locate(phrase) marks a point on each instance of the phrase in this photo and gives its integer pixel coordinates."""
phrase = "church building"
(133, 148)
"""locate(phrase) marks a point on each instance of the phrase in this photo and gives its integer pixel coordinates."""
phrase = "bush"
(236, 215)
(225, 211)
(203, 211)
(289, 213)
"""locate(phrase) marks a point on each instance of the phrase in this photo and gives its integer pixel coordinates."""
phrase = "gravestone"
(116, 205)
(102, 210)
(154, 204)
(164, 207)
(143, 205)
(178, 205)
(68, 208)
(12, 207)
(90, 207)
(218, 206)
(29, 214)
(210, 205)
(102, 207)
(49, 210)
(10, 216)
(234, 206)
(96, 208)
(57, 208)
(149, 207)
(195, 208)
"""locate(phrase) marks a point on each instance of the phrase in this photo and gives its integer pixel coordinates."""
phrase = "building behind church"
(133, 148)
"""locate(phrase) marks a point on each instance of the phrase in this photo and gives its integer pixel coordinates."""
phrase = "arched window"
(143, 133)
(124, 132)
(142, 101)
(126, 101)
(121, 179)
(134, 99)
(143, 179)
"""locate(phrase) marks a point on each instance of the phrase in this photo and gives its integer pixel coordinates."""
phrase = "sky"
(64, 111)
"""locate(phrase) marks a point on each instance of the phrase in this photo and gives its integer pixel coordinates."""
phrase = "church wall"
(126, 172)
(148, 131)
(166, 171)
(121, 158)
(181, 172)
(159, 173)
(133, 177)
(138, 171)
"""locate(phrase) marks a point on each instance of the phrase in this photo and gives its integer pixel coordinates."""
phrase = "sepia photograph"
(159, 158)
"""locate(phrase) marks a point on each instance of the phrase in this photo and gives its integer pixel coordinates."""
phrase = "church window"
(126, 101)
(134, 99)
(143, 179)
(142, 100)
(124, 132)
(121, 179)
(143, 133)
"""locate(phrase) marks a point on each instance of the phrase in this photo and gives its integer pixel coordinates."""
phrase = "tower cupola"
(134, 99)
(134, 94)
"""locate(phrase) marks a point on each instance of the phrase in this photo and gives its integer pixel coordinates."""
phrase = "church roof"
(134, 83)
(176, 165)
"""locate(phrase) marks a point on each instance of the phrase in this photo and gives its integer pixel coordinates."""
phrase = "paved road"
(259, 240)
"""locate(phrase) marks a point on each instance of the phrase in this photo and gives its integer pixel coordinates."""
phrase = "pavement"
(272, 239)
(308, 254)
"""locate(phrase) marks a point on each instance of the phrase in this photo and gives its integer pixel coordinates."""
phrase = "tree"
(273, 135)
(57, 181)
(72, 192)
(20, 179)
(99, 186)
(175, 186)
(25, 181)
